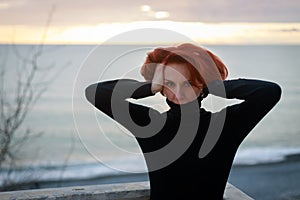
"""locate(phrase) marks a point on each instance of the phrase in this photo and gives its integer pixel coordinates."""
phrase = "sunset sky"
(205, 21)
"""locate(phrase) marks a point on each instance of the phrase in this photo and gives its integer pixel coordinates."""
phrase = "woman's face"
(177, 84)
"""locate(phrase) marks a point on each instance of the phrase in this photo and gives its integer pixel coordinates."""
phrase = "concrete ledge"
(233, 193)
(120, 191)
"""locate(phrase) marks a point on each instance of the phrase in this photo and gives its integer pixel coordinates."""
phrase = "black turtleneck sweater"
(171, 141)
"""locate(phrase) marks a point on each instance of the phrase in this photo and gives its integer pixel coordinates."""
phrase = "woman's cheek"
(167, 93)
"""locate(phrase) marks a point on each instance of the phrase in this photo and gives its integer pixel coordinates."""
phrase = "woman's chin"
(175, 101)
(179, 102)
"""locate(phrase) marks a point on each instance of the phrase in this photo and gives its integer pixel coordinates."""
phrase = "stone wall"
(120, 191)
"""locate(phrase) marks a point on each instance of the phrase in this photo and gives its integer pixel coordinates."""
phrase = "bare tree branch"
(14, 108)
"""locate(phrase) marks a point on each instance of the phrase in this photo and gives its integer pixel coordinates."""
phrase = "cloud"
(92, 12)
(290, 30)
(6, 4)
(204, 33)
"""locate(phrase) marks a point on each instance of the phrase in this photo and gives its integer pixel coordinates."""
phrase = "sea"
(70, 140)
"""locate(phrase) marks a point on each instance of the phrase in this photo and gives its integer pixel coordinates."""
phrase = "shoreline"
(122, 178)
(265, 181)
(294, 157)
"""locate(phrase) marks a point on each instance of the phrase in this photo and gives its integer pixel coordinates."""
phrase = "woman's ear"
(204, 92)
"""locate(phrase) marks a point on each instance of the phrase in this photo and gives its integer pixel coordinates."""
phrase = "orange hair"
(204, 66)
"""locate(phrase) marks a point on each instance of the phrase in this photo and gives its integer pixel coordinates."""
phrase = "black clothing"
(186, 175)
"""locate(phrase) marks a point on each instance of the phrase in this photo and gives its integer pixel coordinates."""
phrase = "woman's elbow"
(90, 93)
(275, 91)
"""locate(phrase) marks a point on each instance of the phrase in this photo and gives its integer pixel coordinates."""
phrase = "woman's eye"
(169, 84)
(187, 84)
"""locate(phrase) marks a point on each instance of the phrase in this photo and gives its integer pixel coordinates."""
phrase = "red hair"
(204, 66)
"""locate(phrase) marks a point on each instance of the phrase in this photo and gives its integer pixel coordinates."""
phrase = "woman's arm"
(158, 79)
(104, 95)
(259, 98)
(110, 97)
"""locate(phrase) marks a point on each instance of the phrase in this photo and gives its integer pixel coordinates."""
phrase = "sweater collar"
(193, 106)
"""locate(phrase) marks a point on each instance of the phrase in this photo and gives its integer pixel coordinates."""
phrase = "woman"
(189, 151)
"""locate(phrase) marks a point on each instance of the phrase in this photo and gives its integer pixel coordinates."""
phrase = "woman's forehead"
(177, 71)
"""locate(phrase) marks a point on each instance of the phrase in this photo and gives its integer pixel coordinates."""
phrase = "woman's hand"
(158, 79)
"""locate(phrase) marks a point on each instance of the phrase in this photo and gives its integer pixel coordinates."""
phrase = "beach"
(269, 181)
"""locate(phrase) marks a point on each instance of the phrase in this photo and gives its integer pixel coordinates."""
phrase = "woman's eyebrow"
(173, 81)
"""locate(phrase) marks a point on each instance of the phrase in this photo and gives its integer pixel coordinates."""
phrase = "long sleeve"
(110, 97)
(259, 98)
(101, 94)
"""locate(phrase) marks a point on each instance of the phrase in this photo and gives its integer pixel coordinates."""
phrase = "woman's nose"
(178, 93)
